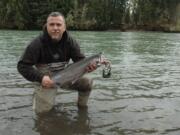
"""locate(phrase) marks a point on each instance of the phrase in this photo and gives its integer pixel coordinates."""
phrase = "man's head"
(55, 25)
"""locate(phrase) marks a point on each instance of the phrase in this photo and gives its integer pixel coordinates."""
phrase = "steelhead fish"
(76, 70)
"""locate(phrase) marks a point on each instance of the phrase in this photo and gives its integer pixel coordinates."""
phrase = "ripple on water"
(140, 98)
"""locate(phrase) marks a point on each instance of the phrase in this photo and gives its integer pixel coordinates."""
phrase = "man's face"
(55, 27)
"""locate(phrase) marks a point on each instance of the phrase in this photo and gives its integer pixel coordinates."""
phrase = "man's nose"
(55, 26)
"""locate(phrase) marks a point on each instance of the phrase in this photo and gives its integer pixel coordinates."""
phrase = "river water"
(142, 97)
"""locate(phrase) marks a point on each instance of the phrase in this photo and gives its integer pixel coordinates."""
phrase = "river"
(142, 97)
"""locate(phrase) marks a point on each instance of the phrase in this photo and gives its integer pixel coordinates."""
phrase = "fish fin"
(75, 80)
(79, 76)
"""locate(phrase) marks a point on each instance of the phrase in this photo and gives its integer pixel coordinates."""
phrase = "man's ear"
(45, 27)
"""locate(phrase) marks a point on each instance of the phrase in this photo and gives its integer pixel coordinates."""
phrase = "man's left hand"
(91, 67)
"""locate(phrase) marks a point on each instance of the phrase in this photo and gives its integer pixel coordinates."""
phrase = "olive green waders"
(44, 98)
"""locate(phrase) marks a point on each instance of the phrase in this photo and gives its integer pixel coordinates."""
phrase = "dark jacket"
(42, 50)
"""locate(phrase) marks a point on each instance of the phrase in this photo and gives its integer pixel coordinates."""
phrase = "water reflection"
(140, 98)
(57, 122)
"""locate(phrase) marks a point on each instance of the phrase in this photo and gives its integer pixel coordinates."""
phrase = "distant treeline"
(92, 14)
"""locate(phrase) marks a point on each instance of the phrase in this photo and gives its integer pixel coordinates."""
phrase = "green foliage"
(88, 14)
(12, 15)
(154, 13)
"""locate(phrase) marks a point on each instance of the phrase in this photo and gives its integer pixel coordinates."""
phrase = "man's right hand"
(47, 82)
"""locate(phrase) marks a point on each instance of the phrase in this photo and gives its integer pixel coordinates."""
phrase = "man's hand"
(91, 67)
(47, 82)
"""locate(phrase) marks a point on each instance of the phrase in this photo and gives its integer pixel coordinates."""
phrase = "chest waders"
(44, 98)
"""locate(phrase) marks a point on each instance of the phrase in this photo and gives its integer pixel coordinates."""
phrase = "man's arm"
(27, 61)
(75, 51)
(29, 72)
(77, 55)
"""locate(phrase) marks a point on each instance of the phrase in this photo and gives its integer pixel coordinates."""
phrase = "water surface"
(141, 98)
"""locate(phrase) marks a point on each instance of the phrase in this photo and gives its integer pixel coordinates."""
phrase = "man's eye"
(51, 24)
(58, 25)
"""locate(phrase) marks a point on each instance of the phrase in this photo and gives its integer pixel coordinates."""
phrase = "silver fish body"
(76, 70)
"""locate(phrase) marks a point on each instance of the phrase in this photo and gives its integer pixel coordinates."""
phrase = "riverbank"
(125, 28)
(169, 28)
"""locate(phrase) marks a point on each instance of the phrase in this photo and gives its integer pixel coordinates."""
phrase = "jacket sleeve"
(26, 64)
(75, 51)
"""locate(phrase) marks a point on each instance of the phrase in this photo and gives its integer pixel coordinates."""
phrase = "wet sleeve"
(26, 64)
(75, 51)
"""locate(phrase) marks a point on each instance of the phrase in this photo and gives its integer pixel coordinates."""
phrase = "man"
(54, 46)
